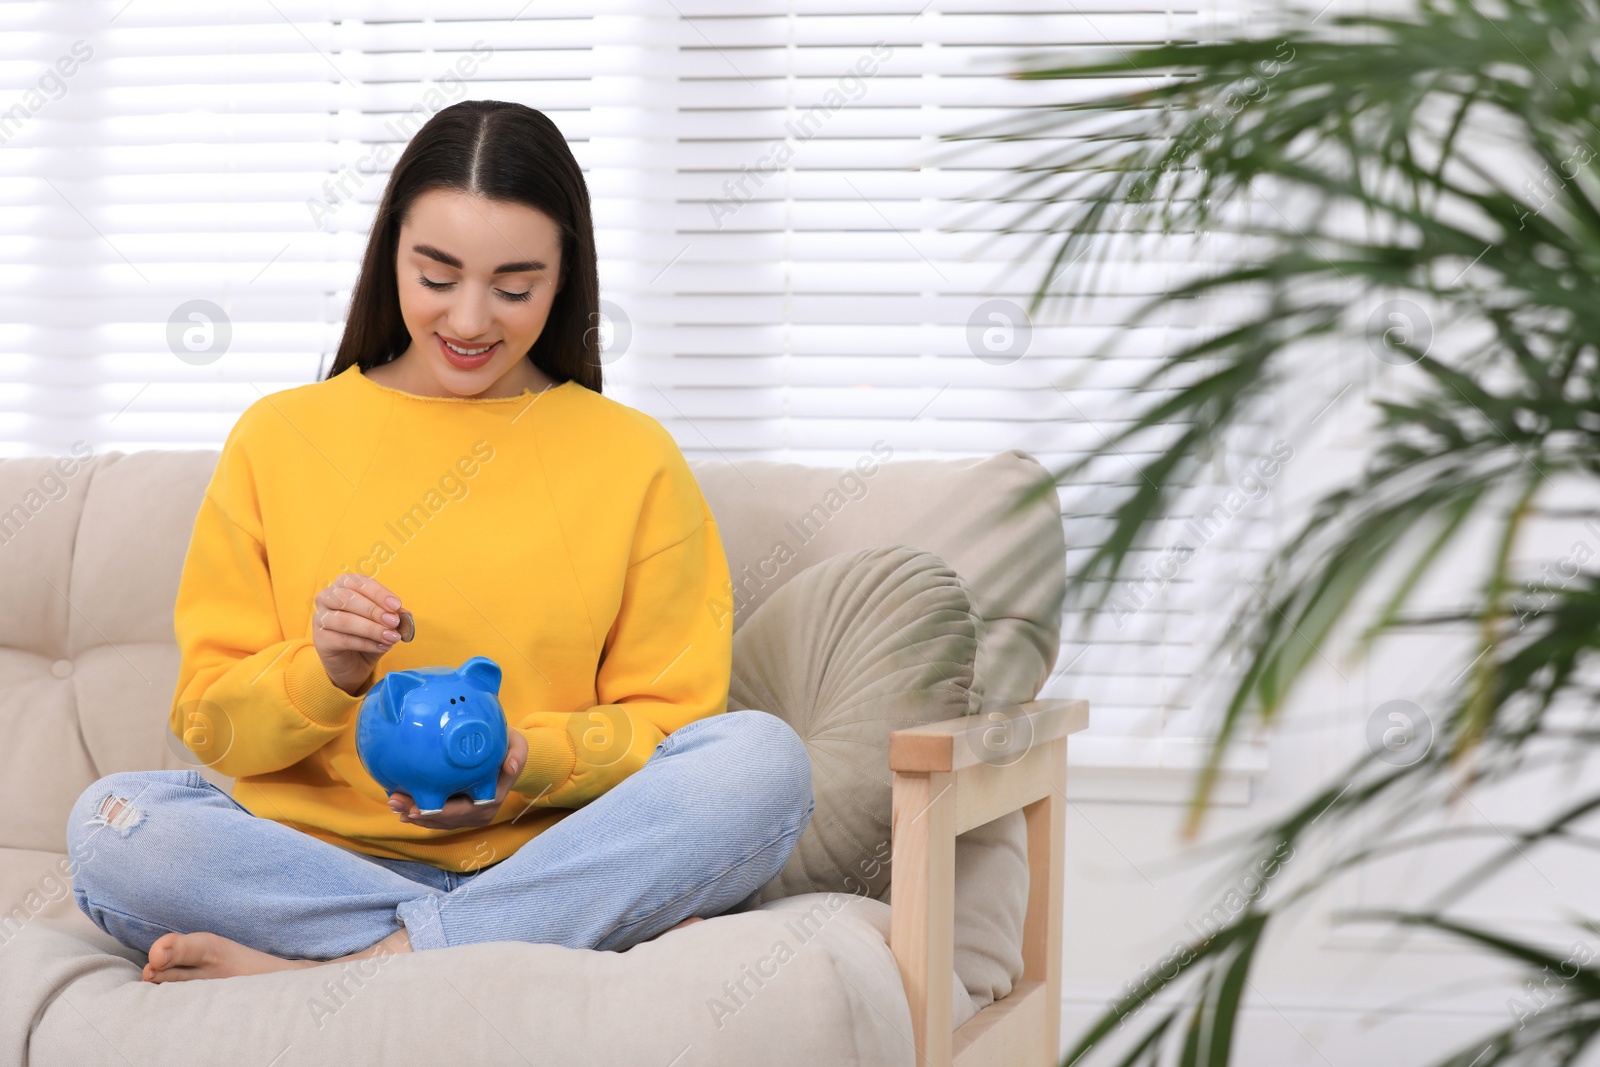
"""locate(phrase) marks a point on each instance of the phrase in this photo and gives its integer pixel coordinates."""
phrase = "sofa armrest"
(949, 777)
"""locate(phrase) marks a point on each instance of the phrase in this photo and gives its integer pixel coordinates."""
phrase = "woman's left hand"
(460, 812)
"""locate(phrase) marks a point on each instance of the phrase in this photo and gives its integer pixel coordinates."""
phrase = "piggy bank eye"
(452, 700)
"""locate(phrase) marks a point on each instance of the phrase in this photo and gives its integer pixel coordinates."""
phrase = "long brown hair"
(503, 151)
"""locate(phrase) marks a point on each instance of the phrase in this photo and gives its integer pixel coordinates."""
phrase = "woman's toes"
(161, 951)
(181, 957)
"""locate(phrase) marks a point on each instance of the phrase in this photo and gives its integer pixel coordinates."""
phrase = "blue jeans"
(710, 818)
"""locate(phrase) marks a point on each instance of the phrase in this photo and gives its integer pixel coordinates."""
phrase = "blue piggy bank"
(435, 731)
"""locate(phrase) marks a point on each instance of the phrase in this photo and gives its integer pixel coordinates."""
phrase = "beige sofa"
(882, 598)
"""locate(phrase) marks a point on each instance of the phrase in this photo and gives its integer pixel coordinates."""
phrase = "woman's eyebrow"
(505, 268)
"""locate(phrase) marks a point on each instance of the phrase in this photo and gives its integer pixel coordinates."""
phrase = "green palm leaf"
(1387, 157)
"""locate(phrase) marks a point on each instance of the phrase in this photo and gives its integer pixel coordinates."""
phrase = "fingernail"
(390, 636)
(393, 602)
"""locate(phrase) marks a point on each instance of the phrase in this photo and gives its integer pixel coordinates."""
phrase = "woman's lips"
(466, 362)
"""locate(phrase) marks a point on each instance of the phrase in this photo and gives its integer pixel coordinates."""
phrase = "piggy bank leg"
(428, 803)
(484, 791)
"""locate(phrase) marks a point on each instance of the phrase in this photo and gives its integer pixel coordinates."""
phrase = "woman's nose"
(470, 316)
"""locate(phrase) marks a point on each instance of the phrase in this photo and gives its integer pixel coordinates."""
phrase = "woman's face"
(478, 275)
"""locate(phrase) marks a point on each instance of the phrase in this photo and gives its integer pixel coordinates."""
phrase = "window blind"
(792, 265)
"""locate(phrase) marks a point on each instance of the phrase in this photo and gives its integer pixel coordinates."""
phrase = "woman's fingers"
(459, 813)
(355, 606)
(340, 642)
(335, 631)
(355, 620)
(343, 630)
(362, 596)
(380, 596)
(448, 819)
(516, 753)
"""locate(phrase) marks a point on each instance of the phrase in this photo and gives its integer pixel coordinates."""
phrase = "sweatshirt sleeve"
(666, 662)
(249, 699)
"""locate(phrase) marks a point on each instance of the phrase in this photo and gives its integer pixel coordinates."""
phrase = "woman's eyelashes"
(515, 297)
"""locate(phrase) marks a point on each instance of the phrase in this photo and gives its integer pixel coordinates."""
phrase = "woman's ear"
(482, 673)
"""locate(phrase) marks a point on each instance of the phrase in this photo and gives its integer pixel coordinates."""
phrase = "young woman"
(458, 465)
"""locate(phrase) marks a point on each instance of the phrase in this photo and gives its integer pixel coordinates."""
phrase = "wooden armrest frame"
(946, 781)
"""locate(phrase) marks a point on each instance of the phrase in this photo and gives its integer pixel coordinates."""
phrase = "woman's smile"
(465, 356)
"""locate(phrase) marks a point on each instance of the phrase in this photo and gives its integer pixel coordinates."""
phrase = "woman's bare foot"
(180, 957)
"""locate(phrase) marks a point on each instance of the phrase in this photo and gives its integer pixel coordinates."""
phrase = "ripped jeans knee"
(116, 812)
(114, 806)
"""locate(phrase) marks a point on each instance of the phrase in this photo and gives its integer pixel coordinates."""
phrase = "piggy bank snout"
(466, 742)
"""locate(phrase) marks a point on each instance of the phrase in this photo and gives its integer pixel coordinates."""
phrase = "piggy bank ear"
(483, 673)
(395, 688)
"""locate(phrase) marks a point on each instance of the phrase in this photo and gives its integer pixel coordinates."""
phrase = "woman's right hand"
(355, 622)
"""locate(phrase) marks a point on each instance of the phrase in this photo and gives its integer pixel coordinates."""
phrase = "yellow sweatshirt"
(560, 533)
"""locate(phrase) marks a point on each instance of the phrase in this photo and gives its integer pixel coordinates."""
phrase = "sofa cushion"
(779, 518)
(37, 885)
(991, 906)
(760, 987)
(847, 651)
(89, 564)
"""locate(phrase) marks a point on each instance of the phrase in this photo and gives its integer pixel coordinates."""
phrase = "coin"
(408, 625)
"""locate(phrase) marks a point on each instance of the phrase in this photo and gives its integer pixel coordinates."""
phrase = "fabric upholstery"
(688, 998)
(90, 553)
(853, 648)
(777, 519)
(857, 646)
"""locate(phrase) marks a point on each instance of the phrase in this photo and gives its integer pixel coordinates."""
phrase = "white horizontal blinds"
(800, 280)
(228, 153)
(814, 297)
(170, 169)
(801, 307)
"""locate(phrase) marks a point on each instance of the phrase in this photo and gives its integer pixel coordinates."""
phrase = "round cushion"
(848, 650)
